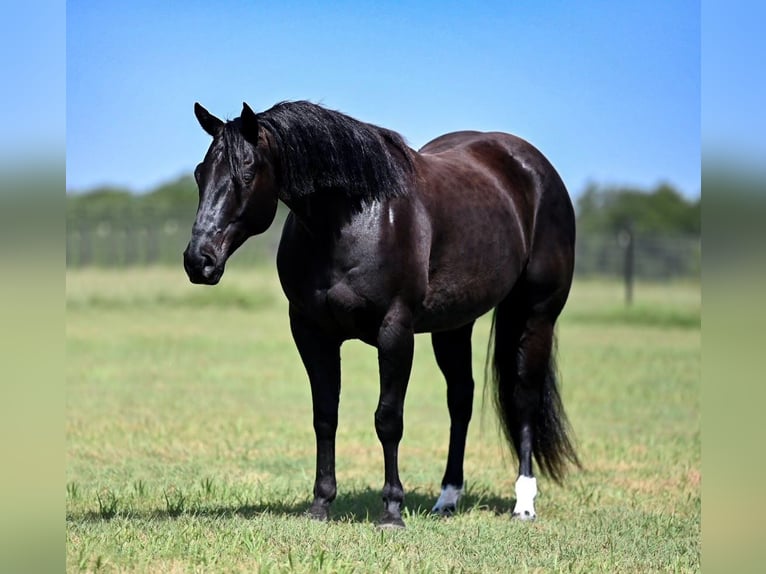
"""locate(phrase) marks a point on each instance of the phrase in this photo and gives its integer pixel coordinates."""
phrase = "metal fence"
(123, 241)
(642, 256)
(131, 240)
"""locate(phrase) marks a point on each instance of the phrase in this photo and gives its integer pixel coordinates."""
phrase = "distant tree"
(178, 197)
(180, 194)
(100, 203)
(662, 210)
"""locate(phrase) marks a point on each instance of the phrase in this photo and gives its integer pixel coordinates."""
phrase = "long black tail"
(524, 377)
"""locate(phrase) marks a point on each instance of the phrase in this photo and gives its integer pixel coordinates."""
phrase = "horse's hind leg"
(528, 397)
(453, 355)
(534, 356)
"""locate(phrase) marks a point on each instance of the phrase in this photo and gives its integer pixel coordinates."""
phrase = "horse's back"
(491, 197)
(521, 171)
(450, 141)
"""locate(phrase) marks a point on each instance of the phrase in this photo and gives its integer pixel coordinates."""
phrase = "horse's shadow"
(355, 506)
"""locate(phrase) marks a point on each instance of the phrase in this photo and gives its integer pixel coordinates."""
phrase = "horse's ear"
(208, 121)
(249, 126)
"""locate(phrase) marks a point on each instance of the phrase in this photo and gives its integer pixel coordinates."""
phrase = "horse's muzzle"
(202, 266)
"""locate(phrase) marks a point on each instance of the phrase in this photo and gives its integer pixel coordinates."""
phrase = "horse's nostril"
(208, 268)
(207, 260)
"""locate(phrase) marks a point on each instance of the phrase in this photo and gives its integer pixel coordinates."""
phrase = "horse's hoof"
(447, 503)
(320, 513)
(399, 525)
(526, 491)
(390, 522)
(445, 510)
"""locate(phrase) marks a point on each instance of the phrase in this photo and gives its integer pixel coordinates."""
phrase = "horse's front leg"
(395, 348)
(321, 357)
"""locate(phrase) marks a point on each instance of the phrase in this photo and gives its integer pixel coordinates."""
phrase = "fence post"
(85, 250)
(627, 241)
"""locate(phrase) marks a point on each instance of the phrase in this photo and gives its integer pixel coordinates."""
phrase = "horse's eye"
(248, 177)
(197, 172)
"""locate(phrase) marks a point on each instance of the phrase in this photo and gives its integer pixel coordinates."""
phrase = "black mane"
(321, 151)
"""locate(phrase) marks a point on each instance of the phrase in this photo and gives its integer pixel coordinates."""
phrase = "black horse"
(383, 242)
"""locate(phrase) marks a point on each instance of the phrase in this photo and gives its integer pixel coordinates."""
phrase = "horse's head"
(237, 193)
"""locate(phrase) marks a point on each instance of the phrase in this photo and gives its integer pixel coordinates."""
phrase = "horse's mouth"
(211, 277)
(203, 269)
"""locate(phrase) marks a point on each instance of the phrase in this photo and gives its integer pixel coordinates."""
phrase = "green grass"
(190, 447)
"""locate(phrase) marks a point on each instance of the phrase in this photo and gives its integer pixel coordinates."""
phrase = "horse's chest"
(347, 302)
(346, 280)
(337, 309)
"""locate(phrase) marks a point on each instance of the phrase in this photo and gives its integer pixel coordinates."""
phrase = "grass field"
(190, 446)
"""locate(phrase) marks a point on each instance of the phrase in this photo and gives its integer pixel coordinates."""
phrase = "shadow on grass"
(357, 506)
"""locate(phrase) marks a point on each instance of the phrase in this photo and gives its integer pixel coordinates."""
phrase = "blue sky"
(734, 88)
(609, 91)
(33, 72)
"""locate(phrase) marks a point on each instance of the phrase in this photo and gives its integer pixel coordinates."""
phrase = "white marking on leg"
(526, 491)
(447, 503)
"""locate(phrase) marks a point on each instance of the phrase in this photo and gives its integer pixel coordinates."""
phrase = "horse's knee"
(389, 423)
(325, 427)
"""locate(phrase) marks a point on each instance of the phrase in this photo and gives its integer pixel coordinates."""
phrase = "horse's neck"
(324, 212)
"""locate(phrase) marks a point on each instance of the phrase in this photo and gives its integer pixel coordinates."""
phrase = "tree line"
(599, 209)
(113, 226)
